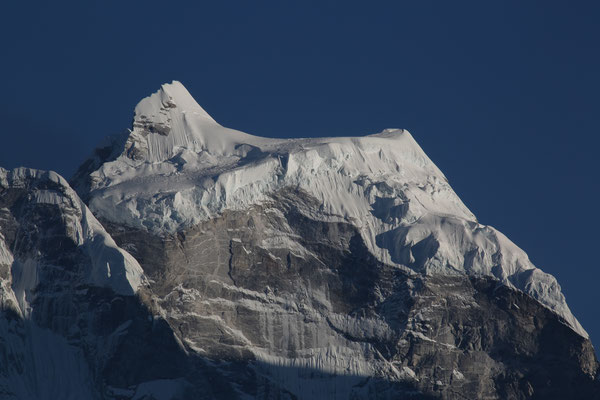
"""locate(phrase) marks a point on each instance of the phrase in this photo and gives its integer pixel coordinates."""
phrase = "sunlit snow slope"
(177, 167)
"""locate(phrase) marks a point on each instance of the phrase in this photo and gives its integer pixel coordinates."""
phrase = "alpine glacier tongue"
(177, 167)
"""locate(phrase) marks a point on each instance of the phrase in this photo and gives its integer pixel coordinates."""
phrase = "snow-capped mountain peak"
(171, 121)
(170, 95)
(209, 263)
(177, 167)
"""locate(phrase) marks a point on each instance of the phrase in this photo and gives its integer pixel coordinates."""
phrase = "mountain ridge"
(192, 266)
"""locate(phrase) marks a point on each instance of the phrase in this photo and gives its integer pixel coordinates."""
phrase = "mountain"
(195, 261)
(178, 168)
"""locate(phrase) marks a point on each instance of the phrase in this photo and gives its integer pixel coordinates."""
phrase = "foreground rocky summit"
(246, 267)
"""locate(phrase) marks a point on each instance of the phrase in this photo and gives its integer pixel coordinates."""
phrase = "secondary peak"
(171, 97)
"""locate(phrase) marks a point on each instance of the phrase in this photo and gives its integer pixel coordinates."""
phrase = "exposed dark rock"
(452, 337)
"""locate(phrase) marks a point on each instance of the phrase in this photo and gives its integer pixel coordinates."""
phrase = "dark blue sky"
(503, 96)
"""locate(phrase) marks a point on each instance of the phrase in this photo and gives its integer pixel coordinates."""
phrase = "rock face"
(326, 319)
(253, 268)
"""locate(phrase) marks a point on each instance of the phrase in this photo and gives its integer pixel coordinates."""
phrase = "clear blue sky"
(502, 95)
